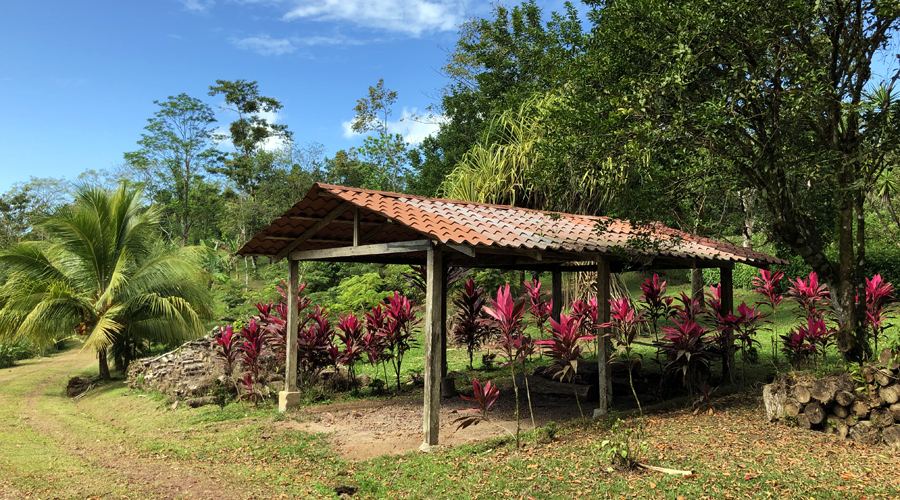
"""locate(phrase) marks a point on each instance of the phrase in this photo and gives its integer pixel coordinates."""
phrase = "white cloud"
(198, 5)
(265, 45)
(412, 17)
(413, 131)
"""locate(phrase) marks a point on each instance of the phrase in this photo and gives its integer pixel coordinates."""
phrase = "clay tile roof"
(482, 226)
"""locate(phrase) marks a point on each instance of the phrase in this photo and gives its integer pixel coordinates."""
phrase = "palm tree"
(103, 272)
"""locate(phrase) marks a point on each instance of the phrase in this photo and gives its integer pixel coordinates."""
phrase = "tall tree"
(103, 272)
(774, 95)
(250, 133)
(385, 152)
(176, 149)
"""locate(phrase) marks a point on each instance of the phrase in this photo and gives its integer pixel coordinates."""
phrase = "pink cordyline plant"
(624, 325)
(251, 348)
(688, 309)
(468, 329)
(878, 296)
(724, 323)
(314, 345)
(655, 302)
(397, 330)
(746, 323)
(351, 332)
(563, 346)
(227, 347)
(505, 315)
(766, 284)
(375, 346)
(811, 296)
(807, 340)
(686, 347)
(485, 396)
(539, 308)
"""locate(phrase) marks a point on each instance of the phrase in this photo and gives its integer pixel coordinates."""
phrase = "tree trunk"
(748, 200)
(104, 366)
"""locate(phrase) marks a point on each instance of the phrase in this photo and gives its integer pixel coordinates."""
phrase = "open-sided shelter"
(341, 224)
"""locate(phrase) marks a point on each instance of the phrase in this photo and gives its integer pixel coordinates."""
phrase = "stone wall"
(189, 371)
(865, 407)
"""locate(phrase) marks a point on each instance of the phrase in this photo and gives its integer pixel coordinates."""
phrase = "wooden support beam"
(604, 346)
(290, 366)
(556, 294)
(290, 397)
(436, 275)
(465, 250)
(368, 236)
(340, 221)
(376, 249)
(356, 226)
(334, 214)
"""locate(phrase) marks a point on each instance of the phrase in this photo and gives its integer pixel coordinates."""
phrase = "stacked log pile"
(866, 409)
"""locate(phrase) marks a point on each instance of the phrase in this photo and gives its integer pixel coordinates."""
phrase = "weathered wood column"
(726, 281)
(556, 295)
(434, 303)
(604, 345)
(290, 397)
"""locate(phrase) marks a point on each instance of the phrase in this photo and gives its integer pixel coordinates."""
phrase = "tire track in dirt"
(146, 477)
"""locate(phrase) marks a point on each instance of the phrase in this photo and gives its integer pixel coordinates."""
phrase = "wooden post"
(603, 343)
(556, 294)
(444, 286)
(435, 278)
(725, 279)
(290, 397)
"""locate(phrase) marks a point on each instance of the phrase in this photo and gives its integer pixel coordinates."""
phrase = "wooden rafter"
(334, 214)
(363, 250)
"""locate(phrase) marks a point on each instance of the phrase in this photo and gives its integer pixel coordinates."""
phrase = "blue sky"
(78, 79)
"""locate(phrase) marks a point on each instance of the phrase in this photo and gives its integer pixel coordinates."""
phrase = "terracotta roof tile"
(479, 225)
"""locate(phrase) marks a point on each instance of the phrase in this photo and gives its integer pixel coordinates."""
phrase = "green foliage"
(361, 292)
(103, 273)
(626, 446)
(15, 351)
(740, 276)
(176, 150)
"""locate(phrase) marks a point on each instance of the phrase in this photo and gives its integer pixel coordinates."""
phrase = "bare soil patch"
(365, 429)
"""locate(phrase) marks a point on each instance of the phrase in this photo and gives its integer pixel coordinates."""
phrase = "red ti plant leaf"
(226, 347)
(539, 308)
(469, 329)
(254, 340)
(563, 344)
(505, 315)
(878, 296)
(351, 333)
(397, 330)
(688, 309)
(810, 295)
(807, 340)
(314, 345)
(586, 312)
(724, 323)
(655, 302)
(766, 284)
(686, 346)
(624, 325)
(485, 396)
